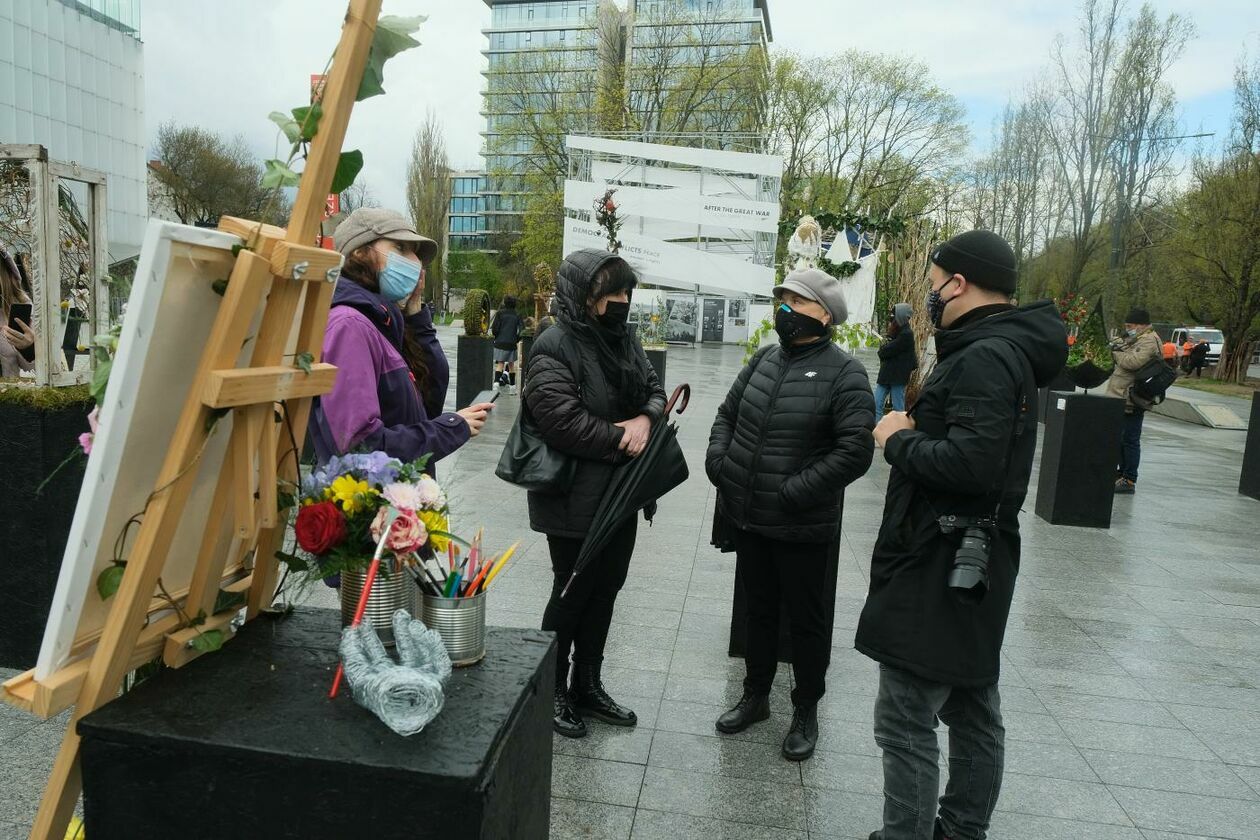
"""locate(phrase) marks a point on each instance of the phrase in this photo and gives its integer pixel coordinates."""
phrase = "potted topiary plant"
(474, 351)
(652, 336)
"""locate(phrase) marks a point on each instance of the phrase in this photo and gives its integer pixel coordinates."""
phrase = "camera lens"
(969, 578)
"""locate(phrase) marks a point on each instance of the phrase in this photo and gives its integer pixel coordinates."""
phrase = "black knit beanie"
(981, 256)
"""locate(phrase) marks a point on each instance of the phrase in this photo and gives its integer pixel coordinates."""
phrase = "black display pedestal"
(474, 368)
(657, 357)
(246, 743)
(739, 611)
(1249, 482)
(33, 529)
(1061, 382)
(1079, 454)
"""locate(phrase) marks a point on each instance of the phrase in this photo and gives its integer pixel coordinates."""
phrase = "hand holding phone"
(18, 331)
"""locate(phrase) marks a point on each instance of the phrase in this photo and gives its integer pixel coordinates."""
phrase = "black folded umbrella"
(637, 484)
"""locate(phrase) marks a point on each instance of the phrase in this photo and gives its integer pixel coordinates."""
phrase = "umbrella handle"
(565, 591)
(684, 391)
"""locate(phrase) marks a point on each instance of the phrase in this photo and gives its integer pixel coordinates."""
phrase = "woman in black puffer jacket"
(794, 431)
(593, 395)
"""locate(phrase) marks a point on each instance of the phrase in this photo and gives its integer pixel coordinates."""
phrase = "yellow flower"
(351, 493)
(434, 522)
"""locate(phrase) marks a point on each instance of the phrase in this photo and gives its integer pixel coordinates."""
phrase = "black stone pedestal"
(1079, 454)
(738, 642)
(33, 444)
(245, 743)
(657, 358)
(1249, 482)
(1061, 382)
(474, 368)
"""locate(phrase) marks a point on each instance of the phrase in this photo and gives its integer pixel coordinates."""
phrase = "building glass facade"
(543, 56)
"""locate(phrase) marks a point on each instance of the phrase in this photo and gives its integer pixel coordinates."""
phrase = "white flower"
(403, 496)
(430, 494)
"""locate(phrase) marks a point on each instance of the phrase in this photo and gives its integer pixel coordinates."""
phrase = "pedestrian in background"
(1131, 352)
(1198, 358)
(793, 432)
(593, 396)
(898, 357)
(506, 330)
(966, 452)
(17, 337)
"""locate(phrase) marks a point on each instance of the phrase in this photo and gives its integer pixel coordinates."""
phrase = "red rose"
(610, 207)
(320, 527)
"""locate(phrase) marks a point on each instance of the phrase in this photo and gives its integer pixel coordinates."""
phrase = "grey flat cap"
(368, 224)
(817, 285)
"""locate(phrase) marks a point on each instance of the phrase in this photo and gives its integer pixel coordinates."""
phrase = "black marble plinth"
(737, 644)
(245, 743)
(1061, 382)
(34, 442)
(1079, 454)
(1249, 481)
(658, 358)
(474, 368)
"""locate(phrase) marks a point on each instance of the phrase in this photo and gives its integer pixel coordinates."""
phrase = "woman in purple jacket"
(391, 372)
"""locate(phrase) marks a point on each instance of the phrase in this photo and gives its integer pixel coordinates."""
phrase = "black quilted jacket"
(793, 432)
(569, 400)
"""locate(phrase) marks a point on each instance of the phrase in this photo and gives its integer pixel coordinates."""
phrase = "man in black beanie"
(1138, 347)
(944, 565)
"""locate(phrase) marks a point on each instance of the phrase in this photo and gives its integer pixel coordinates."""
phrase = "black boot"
(567, 721)
(800, 740)
(591, 699)
(750, 709)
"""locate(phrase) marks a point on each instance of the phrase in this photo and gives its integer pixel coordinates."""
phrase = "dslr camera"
(969, 575)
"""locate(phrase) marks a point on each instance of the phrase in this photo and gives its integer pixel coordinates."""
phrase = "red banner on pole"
(332, 205)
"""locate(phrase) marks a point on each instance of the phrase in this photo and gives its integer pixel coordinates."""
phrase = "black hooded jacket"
(570, 400)
(973, 445)
(793, 432)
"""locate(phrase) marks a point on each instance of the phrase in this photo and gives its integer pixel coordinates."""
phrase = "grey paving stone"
(14, 831)
(1132, 738)
(21, 787)
(1057, 761)
(1061, 798)
(610, 743)
(574, 820)
(1030, 726)
(844, 771)
(1233, 747)
(722, 757)
(1189, 814)
(1250, 775)
(698, 719)
(1010, 826)
(592, 780)
(1208, 778)
(658, 825)
(1103, 685)
(720, 691)
(1062, 704)
(740, 800)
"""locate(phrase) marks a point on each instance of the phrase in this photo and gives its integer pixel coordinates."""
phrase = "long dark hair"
(361, 268)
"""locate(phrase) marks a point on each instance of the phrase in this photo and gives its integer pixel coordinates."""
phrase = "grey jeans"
(906, 712)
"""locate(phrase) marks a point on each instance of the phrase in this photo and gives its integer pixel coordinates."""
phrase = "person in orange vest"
(1185, 354)
(1170, 353)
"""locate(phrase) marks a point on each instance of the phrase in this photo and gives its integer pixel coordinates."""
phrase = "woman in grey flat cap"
(794, 431)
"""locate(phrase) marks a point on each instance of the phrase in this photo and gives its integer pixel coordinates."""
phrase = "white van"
(1214, 337)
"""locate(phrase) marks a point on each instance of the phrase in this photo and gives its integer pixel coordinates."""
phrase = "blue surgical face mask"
(399, 278)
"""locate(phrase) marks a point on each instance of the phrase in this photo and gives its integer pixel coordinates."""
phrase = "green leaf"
(293, 561)
(308, 117)
(215, 414)
(284, 501)
(100, 379)
(108, 581)
(291, 128)
(278, 174)
(237, 248)
(225, 601)
(199, 619)
(392, 36)
(348, 166)
(304, 362)
(219, 287)
(208, 641)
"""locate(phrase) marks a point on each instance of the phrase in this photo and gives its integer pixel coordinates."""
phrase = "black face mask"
(936, 305)
(615, 315)
(792, 325)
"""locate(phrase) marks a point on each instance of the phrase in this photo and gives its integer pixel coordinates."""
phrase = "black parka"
(975, 415)
(570, 402)
(793, 432)
(897, 358)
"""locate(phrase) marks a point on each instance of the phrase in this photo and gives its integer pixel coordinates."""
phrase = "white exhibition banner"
(744, 163)
(709, 183)
(679, 204)
(673, 265)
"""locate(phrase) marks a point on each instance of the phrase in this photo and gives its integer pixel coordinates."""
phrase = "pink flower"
(610, 206)
(406, 534)
(93, 418)
(85, 440)
(402, 495)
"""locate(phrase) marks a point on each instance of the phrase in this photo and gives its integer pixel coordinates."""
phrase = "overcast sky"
(226, 64)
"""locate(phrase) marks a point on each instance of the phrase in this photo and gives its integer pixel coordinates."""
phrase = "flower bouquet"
(606, 217)
(1089, 362)
(345, 510)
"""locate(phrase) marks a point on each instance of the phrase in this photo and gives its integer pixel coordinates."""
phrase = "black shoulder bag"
(528, 461)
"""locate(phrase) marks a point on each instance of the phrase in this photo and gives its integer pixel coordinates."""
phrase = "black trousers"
(581, 619)
(773, 571)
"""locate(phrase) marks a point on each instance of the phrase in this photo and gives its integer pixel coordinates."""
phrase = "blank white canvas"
(169, 316)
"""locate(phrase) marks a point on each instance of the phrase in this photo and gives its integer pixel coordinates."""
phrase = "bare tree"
(201, 177)
(358, 195)
(429, 192)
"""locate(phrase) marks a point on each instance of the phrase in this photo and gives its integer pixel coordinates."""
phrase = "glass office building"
(539, 52)
(72, 80)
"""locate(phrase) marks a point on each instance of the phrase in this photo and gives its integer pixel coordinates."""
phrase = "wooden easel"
(288, 278)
